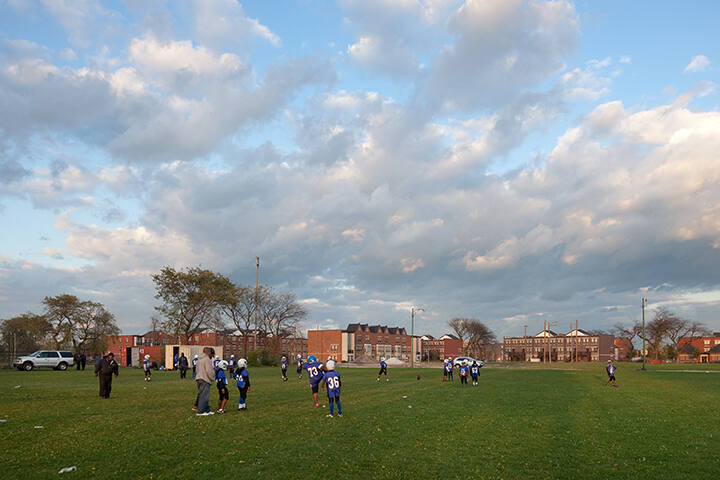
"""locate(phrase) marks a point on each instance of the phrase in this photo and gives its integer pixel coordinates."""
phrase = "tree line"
(197, 299)
(67, 323)
(191, 301)
(662, 333)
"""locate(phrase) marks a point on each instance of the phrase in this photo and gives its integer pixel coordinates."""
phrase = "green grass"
(524, 423)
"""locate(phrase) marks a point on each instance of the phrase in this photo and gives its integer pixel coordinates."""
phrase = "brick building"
(439, 348)
(623, 349)
(360, 342)
(699, 349)
(574, 345)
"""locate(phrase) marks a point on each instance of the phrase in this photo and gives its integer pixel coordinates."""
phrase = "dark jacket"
(183, 361)
(106, 367)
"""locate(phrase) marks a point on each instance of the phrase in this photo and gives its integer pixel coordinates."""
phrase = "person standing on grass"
(315, 375)
(194, 362)
(104, 370)
(474, 373)
(83, 360)
(222, 385)
(183, 364)
(231, 364)
(383, 370)
(463, 372)
(242, 378)
(284, 367)
(610, 369)
(146, 368)
(299, 366)
(76, 359)
(331, 378)
(204, 377)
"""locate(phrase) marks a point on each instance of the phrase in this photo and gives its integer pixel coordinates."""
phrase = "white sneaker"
(329, 415)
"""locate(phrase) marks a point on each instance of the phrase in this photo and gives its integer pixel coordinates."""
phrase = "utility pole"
(642, 305)
(576, 335)
(257, 276)
(412, 334)
(525, 342)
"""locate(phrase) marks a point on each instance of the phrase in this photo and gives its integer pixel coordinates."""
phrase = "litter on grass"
(409, 406)
(2, 420)
(404, 396)
(67, 470)
(16, 386)
(38, 426)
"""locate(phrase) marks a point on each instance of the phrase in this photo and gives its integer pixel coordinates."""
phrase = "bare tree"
(459, 326)
(239, 306)
(80, 325)
(480, 337)
(678, 328)
(280, 314)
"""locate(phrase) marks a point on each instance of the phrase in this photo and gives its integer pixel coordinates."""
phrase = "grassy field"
(524, 423)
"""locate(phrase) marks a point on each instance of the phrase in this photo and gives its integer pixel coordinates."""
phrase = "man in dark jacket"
(83, 360)
(105, 368)
(76, 359)
(183, 363)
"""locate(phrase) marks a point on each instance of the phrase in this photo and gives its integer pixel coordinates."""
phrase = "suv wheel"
(62, 366)
(27, 366)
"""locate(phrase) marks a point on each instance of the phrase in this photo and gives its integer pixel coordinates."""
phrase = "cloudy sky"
(508, 160)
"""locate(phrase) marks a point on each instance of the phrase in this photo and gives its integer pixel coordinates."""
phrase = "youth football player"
(231, 364)
(474, 373)
(383, 369)
(315, 374)
(610, 369)
(283, 367)
(194, 364)
(242, 377)
(146, 368)
(300, 364)
(331, 378)
(222, 385)
(449, 370)
(464, 371)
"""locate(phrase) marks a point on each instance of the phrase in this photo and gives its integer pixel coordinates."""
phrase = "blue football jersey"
(146, 365)
(383, 364)
(463, 371)
(474, 370)
(195, 360)
(314, 371)
(332, 380)
(284, 365)
(242, 377)
(220, 377)
(611, 369)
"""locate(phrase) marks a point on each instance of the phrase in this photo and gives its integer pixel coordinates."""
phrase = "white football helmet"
(147, 357)
(232, 356)
(330, 365)
(382, 359)
(299, 356)
(242, 363)
(222, 364)
(196, 356)
(283, 359)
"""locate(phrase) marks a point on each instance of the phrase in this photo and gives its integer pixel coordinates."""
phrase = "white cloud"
(224, 23)
(698, 63)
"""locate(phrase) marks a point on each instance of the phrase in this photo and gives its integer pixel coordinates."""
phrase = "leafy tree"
(80, 325)
(191, 299)
(25, 333)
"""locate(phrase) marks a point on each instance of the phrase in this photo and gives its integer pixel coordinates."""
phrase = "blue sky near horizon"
(505, 160)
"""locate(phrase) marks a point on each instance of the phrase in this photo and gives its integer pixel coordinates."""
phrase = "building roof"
(364, 327)
(449, 336)
(688, 348)
(715, 349)
(549, 334)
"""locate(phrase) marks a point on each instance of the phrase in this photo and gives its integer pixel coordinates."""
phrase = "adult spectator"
(76, 359)
(83, 360)
(183, 363)
(204, 377)
(106, 367)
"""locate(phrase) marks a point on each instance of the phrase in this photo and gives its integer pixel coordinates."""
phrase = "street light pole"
(412, 334)
(525, 343)
(257, 276)
(642, 304)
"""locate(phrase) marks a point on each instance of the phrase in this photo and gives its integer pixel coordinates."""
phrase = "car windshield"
(35, 354)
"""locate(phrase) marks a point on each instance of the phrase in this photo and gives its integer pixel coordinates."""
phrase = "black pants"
(183, 372)
(463, 379)
(77, 365)
(105, 385)
(243, 393)
(82, 364)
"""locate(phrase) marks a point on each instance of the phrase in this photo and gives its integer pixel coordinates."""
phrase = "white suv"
(57, 359)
